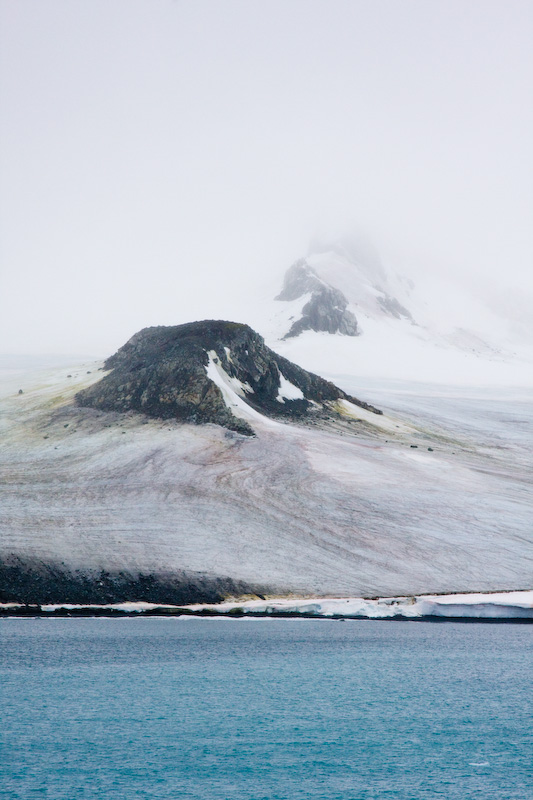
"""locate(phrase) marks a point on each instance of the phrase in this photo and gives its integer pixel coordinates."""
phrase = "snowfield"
(434, 330)
(433, 497)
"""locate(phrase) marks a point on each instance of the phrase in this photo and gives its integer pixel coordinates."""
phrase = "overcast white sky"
(161, 158)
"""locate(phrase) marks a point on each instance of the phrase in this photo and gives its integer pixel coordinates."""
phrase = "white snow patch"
(287, 390)
(277, 318)
(397, 350)
(239, 387)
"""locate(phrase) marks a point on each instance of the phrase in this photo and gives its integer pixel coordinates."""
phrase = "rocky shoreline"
(34, 584)
(30, 611)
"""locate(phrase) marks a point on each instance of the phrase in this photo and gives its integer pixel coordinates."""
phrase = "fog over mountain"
(344, 310)
(164, 161)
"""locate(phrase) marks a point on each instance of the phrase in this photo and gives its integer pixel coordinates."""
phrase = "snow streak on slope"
(288, 391)
(234, 392)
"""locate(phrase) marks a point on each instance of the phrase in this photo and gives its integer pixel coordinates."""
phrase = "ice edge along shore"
(504, 606)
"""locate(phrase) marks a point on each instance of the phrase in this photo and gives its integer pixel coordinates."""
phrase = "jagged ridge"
(327, 308)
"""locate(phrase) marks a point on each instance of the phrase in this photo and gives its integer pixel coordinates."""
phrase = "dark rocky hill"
(191, 372)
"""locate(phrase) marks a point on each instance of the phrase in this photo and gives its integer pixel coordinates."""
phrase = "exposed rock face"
(31, 581)
(394, 308)
(199, 371)
(326, 310)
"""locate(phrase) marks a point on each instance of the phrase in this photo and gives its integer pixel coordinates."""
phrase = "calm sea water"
(264, 709)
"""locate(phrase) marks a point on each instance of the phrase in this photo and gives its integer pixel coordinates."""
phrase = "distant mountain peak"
(385, 325)
(325, 310)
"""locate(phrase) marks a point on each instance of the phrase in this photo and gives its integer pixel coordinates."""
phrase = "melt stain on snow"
(381, 421)
(287, 390)
(298, 524)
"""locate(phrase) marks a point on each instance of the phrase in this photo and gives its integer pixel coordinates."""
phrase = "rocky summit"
(325, 310)
(210, 371)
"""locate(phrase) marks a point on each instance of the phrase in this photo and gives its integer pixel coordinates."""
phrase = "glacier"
(434, 496)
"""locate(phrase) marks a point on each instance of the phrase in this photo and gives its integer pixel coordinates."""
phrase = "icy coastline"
(497, 605)
(514, 605)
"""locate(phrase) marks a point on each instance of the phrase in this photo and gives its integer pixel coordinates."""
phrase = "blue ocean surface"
(274, 709)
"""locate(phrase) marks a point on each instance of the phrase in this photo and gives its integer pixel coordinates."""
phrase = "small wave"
(478, 764)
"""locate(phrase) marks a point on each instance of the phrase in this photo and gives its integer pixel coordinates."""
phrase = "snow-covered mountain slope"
(403, 503)
(120, 497)
(341, 310)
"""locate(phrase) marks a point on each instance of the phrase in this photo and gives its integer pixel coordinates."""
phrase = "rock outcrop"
(210, 371)
(31, 581)
(393, 307)
(327, 308)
